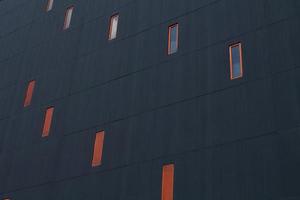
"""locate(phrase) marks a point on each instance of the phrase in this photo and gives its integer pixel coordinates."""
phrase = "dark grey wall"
(237, 140)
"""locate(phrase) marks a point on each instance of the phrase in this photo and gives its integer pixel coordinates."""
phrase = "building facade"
(150, 100)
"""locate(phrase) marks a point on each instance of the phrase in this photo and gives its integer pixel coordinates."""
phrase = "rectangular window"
(47, 121)
(29, 93)
(167, 182)
(68, 17)
(236, 61)
(113, 27)
(173, 39)
(98, 148)
(49, 5)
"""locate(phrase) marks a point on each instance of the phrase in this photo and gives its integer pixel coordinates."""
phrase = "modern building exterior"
(150, 99)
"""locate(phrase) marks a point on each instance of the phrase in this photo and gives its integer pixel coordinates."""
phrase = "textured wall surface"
(228, 139)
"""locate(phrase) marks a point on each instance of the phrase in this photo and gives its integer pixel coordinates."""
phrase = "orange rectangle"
(29, 93)
(167, 182)
(47, 121)
(98, 149)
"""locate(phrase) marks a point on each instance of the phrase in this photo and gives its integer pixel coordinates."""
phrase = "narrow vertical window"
(167, 182)
(68, 17)
(29, 93)
(49, 5)
(113, 27)
(47, 121)
(236, 61)
(173, 39)
(98, 148)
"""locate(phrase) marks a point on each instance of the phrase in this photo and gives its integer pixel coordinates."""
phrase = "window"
(29, 93)
(68, 17)
(98, 147)
(47, 121)
(113, 27)
(49, 5)
(167, 182)
(173, 39)
(236, 61)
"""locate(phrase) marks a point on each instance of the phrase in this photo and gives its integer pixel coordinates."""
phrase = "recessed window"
(29, 93)
(173, 39)
(113, 27)
(98, 148)
(68, 17)
(49, 5)
(47, 121)
(167, 182)
(236, 61)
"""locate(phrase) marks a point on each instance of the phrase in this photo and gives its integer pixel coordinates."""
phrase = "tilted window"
(173, 39)
(236, 61)
(98, 149)
(68, 17)
(167, 182)
(113, 27)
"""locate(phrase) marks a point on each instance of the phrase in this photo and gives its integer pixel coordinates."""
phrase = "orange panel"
(29, 93)
(47, 122)
(167, 182)
(98, 148)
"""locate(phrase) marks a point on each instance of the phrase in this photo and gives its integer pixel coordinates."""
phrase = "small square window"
(167, 182)
(47, 121)
(113, 27)
(98, 148)
(173, 39)
(49, 5)
(29, 93)
(68, 17)
(236, 61)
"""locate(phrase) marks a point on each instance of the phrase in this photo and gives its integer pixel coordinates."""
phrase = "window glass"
(49, 5)
(68, 17)
(173, 39)
(113, 28)
(236, 68)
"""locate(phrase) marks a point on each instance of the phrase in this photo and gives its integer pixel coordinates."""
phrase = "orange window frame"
(68, 17)
(239, 45)
(167, 190)
(176, 25)
(47, 121)
(111, 26)
(98, 149)
(49, 5)
(29, 93)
